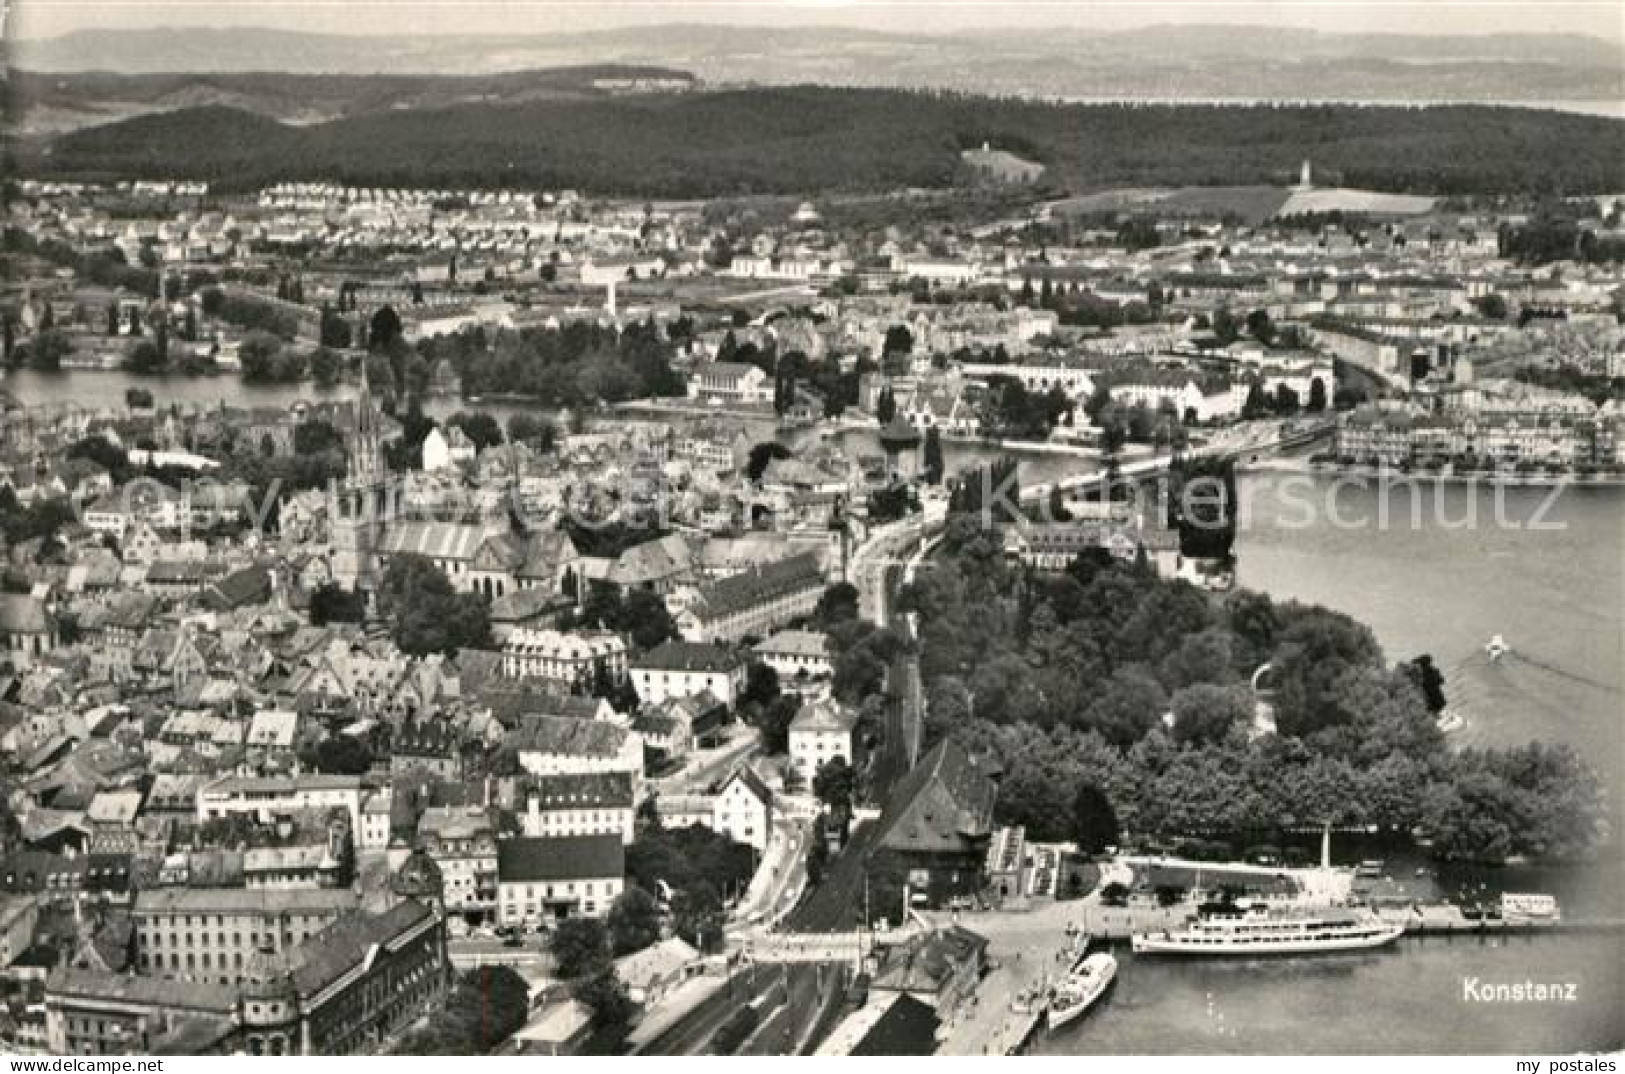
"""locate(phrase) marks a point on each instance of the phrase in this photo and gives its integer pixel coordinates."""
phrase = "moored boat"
(1523, 909)
(1257, 930)
(1079, 990)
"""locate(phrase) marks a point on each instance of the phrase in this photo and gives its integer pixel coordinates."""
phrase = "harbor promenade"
(1031, 949)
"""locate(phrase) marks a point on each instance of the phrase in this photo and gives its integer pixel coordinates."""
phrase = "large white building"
(560, 657)
(581, 803)
(266, 798)
(753, 602)
(462, 843)
(1191, 397)
(820, 733)
(797, 654)
(730, 382)
(561, 745)
(679, 669)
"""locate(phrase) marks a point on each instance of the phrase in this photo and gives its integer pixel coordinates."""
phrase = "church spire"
(366, 454)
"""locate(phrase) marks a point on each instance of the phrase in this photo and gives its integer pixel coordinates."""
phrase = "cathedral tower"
(358, 509)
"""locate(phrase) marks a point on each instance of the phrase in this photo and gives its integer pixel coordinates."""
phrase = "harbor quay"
(1030, 946)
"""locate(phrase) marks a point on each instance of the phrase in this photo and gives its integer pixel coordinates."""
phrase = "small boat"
(1497, 647)
(1080, 989)
(1530, 909)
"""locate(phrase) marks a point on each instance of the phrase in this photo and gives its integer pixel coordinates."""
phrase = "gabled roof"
(511, 705)
(678, 655)
(251, 585)
(568, 736)
(747, 775)
(943, 804)
(436, 540)
(349, 941)
(579, 790)
(546, 553)
(822, 715)
(652, 561)
(923, 964)
(757, 586)
(806, 643)
(157, 992)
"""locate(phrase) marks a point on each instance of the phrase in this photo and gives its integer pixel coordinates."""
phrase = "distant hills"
(46, 103)
(819, 140)
(1184, 62)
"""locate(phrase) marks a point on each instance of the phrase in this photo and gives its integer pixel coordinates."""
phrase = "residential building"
(677, 669)
(797, 655)
(569, 659)
(731, 382)
(820, 732)
(743, 809)
(554, 745)
(559, 877)
(754, 602)
(461, 841)
(581, 803)
(266, 798)
(936, 828)
(19, 916)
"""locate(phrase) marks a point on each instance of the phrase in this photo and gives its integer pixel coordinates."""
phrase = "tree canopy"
(426, 615)
(1066, 679)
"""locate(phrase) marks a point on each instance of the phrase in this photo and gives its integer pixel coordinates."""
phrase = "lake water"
(1408, 999)
(1557, 596)
(1549, 578)
(104, 389)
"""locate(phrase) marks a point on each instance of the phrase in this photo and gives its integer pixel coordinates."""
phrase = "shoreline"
(1395, 475)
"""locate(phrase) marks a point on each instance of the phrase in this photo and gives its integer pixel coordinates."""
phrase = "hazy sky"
(46, 18)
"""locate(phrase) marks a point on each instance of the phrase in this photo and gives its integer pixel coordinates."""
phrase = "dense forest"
(804, 139)
(1066, 679)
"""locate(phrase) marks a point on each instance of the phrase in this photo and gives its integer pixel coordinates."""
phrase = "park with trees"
(1111, 677)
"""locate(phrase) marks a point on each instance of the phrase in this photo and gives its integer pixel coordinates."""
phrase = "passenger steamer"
(1087, 982)
(1256, 930)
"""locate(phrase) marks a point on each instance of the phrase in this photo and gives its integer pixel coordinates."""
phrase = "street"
(777, 883)
(797, 1003)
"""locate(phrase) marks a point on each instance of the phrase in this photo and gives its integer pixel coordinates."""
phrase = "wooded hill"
(814, 140)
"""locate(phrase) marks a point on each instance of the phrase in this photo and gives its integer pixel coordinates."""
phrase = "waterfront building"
(933, 836)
